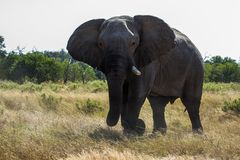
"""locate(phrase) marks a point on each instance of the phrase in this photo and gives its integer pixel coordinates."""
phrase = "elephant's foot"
(140, 127)
(197, 130)
(138, 130)
(162, 131)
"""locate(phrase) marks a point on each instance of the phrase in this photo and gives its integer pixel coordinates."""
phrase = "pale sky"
(212, 25)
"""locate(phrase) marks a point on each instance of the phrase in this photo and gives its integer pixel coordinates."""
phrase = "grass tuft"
(91, 107)
(232, 106)
(50, 102)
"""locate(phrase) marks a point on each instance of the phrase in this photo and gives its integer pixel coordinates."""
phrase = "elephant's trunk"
(117, 69)
(115, 85)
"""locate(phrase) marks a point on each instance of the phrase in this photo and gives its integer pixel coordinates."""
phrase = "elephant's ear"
(156, 39)
(82, 45)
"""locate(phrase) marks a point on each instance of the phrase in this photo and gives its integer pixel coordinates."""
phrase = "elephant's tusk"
(136, 71)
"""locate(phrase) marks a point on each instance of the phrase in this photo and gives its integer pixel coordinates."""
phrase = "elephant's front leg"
(125, 102)
(135, 99)
(158, 104)
(138, 89)
(132, 124)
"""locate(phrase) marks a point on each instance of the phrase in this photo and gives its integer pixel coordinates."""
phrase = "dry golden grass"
(108, 154)
(111, 154)
(49, 124)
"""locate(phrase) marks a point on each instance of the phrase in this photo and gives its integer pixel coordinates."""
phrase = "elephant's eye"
(133, 43)
(100, 45)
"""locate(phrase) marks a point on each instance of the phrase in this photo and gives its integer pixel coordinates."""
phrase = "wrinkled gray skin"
(170, 65)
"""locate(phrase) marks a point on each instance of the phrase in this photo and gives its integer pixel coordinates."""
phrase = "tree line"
(218, 69)
(36, 66)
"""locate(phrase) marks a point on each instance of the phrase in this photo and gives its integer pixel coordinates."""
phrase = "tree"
(231, 72)
(35, 67)
(2, 47)
(208, 72)
(59, 56)
(218, 69)
(215, 60)
(82, 71)
(229, 60)
(6, 64)
(66, 70)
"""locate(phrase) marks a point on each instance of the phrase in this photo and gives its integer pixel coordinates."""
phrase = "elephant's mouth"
(119, 63)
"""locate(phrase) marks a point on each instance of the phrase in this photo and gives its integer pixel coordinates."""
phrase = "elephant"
(142, 58)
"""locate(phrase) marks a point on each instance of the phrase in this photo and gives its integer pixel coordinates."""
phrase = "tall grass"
(91, 86)
(56, 121)
(221, 87)
(233, 105)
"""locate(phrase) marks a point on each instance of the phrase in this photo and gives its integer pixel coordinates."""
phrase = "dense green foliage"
(219, 69)
(32, 66)
(45, 66)
(2, 47)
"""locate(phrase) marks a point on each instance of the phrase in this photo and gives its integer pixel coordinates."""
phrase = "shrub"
(97, 86)
(2, 109)
(232, 106)
(31, 87)
(217, 87)
(55, 87)
(91, 107)
(73, 86)
(50, 102)
(7, 85)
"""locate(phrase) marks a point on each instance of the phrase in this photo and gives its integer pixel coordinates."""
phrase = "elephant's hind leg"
(158, 104)
(192, 105)
(191, 98)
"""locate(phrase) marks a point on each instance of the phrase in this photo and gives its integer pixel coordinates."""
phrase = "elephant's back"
(185, 44)
(177, 67)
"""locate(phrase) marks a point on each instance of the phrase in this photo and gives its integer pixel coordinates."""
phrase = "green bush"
(2, 109)
(8, 85)
(31, 87)
(50, 102)
(232, 106)
(97, 86)
(91, 106)
(55, 87)
(41, 67)
(73, 86)
(218, 69)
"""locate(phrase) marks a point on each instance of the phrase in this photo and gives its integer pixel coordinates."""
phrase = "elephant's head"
(115, 45)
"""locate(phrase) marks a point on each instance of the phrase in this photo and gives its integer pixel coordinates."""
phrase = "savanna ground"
(56, 121)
